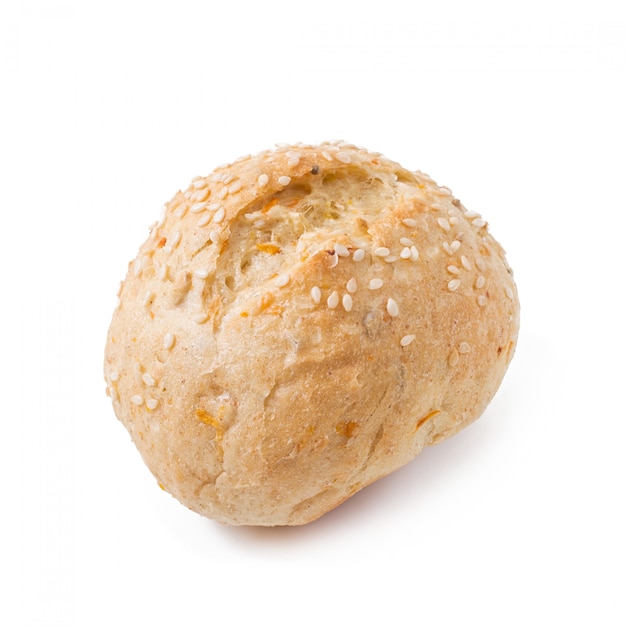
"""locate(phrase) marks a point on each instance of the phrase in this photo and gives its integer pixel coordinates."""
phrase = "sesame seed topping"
(454, 284)
(455, 245)
(392, 307)
(203, 273)
(414, 253)
(406, 340)
(410, 222)
(235, 187)
(152, 404)
(446, 246)
(465, 263)
(381, 251)
(405, 241)
(175, 239)
(147, 379)
(375, 283)
(351, 285)
(347, 302)
(180, 211)
(137, 268)
(199, 183)
(405, 253)
(391, 258)
(480, 282)
(284, 180)
(316, 294)
(344, 157)
(147, 300)
(358, 255)
(205, 219)
(293, 161)
(333, 300)
(219, 215)
(454, 220)
(138, 400)
(480, 264)
(168, 341)
(163, 271)
(263, 179)
(223, 193)
(214, 236)
(201, 318)
(453, 359)
(201, 195)
(453, 269)
(464, 347)
(509, 292)
(281, 280)
(114, 376)
(341, 250)
(443, 222)
(326, 155)
(446, 191)
(481, 300)
(479, 222)
(197, 207)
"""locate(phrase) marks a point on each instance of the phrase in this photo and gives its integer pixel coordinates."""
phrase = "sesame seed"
(284, 180)
(147, 300)
(152, 404)
(453, 359)
(509, 292)
(199, 183)
(201, 195)
(375, 283)
(341, 250)
(454, 284)
(414, 253)
(180, 211)
(205, 219)
(391, 258)
(201, 318)
(481, 300)
(235, 187)
(465, 263)
(226, 177)
(263, 179)
(446, 246)
(358, 255)
(480, 282)
(214, 236)
(203, 273)
(114, 376)
(347, 302)
(480, 264)
(453, 269)
(197, 207)
(147, 379)
(411, 223)
(137, 268)
(470, 214)
(464, 347)
(168, 341)
(405, 253)
(223, 193)
(351, 285)
(293, 161)
(454, 220)
(138, 400)
(175, 239)
(479, 222)
(316, 294)
(381, 251)
(455, 245)
(281, 280)
(392, 307)
(406, 340)
(326, 155)
(344, 157)
(219, 215)
(446, 191)
(333, 300)
(405, 241)
(163, 270)
(443, 222)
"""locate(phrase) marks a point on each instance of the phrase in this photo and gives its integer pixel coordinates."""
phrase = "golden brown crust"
(301, 323)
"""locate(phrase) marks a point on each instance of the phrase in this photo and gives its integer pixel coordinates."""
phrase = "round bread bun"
(302, 322)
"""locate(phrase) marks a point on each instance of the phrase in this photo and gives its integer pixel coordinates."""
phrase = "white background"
(107, 108)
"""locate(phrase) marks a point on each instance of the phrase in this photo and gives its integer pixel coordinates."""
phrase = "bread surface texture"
(302, 322)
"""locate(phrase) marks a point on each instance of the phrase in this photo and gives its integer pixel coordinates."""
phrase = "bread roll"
(301, 323)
